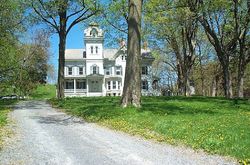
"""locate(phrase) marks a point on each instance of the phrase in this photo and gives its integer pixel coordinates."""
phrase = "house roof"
(111, 54)
(74, 54)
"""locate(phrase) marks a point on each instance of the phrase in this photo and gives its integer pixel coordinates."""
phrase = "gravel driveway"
(46, 136)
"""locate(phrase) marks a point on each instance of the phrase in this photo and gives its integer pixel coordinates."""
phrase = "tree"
(58, 14)
(242, 20)
(132, 84)
(176, 27)
(220, 22)
(11, 26)
(32, 64)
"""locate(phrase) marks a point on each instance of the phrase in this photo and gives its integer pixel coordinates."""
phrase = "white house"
(95, 71)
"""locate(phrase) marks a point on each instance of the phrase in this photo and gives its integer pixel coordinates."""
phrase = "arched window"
(94, 32)
(94, 69)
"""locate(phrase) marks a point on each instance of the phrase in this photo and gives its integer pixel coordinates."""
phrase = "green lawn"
(44, 92)
(4, 110)
(215, 125)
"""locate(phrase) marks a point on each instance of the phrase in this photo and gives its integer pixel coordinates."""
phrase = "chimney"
(122, 42)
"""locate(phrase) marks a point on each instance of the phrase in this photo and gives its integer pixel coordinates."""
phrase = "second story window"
(91, 49)
(95, 69)
(144, 70)
(80, 70)
(96, 49)
(107, 70)
(69, 70)
(118, 70)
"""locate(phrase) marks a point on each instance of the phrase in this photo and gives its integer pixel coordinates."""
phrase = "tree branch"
(80, 18)
(44, 19)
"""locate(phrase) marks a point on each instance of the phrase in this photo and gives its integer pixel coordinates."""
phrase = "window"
(124, 57)
(80, 85)
(80, 70)
(96, 49)
(94, 32)
(145, 85)
(69, 85)
(114, 84)
(107, 70)
(109, 85)
(119, 84)
(118, 70)
(155, 84)
(144, 70)
(91, 49)
(95, 69)
(84, 54)
(69, 70)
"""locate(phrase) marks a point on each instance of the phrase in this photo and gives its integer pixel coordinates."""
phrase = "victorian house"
(95, 71)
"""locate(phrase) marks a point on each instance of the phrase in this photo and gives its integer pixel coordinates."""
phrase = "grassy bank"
(4, 110)
(47, 91)
(215, 125)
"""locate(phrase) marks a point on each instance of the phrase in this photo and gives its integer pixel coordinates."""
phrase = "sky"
(74, 41)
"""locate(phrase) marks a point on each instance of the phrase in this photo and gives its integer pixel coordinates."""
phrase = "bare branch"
(75, 13)
(53, 19)
(114, 26)
(44, 19)
(80, 18)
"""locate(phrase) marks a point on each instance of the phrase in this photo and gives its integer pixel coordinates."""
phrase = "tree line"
(189, 36)
(23, 65)
(198, 34)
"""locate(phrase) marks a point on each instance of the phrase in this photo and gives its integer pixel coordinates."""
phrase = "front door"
(95, 86)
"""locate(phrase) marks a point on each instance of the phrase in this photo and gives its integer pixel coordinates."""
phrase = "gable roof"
(110, 54)
(74, 54)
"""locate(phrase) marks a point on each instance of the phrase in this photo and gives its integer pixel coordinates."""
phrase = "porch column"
(74, 86)
(87, 85)
(103, 87)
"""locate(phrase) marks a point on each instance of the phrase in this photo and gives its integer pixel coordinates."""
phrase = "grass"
(47, 91)
(4, 110)
(216, 125)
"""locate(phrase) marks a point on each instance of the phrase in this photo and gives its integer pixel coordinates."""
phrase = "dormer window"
(93, 32)
(91, 49)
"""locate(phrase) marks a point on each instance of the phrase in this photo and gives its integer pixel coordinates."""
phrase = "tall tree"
(242, 24)
(174, 26)
(132, 84)
(221, 25)
(62, 16)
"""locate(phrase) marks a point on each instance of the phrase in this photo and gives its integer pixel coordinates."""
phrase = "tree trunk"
(132, 84)
(61, 64)
(240, 81)
(227, 82)
(214, 88)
